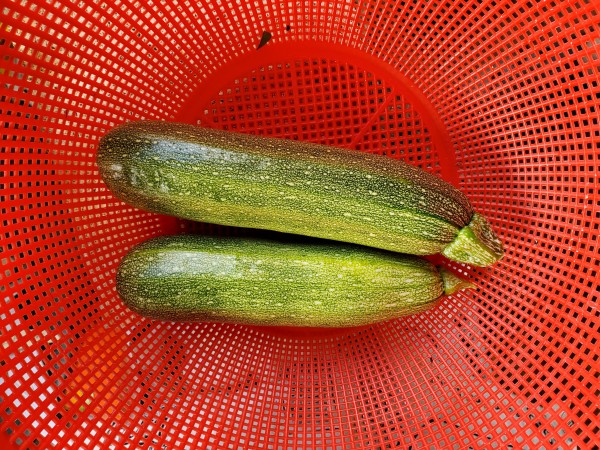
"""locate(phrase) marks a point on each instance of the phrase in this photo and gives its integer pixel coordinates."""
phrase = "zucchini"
(276, 282)
(294, 187)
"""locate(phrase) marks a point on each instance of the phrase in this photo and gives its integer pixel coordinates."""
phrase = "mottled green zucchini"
(293, 187)
(277, 282)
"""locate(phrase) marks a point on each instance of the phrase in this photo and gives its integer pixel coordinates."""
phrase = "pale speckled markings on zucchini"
(298, 285)
(293, 187)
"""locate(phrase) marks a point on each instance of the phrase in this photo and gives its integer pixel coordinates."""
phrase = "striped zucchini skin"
(292, 187)
(276, 282)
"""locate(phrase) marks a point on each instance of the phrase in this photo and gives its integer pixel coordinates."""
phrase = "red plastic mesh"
(500, 97)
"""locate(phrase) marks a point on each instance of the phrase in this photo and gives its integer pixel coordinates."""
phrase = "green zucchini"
(293, 187)
(277, 282)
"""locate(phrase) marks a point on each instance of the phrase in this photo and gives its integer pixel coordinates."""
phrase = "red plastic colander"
(499, 97)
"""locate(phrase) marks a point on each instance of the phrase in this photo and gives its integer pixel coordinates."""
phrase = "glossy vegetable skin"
(277, 282)
(293, 187)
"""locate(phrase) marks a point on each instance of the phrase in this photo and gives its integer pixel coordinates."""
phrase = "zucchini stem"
(453, 283)
(475, 244)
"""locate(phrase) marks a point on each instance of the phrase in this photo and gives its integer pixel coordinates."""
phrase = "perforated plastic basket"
(499, 97)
